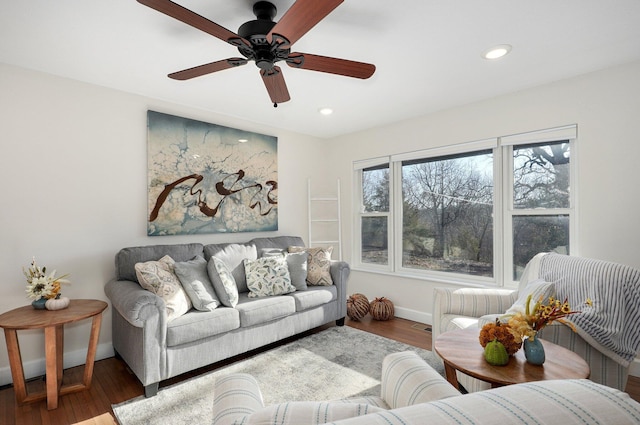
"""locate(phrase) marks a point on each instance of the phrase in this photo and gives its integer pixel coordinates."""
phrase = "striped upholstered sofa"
(608, 334)
(413, 393)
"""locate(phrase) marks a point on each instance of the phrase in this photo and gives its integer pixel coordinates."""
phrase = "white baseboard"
(416, 316)
(37, 367)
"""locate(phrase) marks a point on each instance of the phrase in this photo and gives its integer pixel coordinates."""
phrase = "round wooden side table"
(461, 350)
(53, 323)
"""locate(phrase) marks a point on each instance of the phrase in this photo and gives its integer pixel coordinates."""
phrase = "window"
(540, 201)
(374, 215)
(447, 213)
(474, 212)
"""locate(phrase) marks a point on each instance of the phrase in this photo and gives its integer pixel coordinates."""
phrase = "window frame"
(503, 211)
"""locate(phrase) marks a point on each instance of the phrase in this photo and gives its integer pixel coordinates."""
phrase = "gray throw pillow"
(297, 263)
(195, 281)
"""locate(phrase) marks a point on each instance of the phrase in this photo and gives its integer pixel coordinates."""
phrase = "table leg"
(450, 373)
(15, 362)
(91, 351)
(51, 339)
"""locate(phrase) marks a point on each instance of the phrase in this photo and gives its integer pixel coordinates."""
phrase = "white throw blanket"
(612, 324)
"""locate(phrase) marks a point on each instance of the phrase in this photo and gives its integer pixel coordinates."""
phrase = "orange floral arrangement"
(502, 333)
(527, 325)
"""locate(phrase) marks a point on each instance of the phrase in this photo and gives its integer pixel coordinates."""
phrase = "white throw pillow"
(268, 276)
(538, 289)
(223, 282)
(159, 277)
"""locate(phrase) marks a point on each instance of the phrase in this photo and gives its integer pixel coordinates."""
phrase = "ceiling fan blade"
(274, 82)
(301, 17)
(185, 15)
(207, 68)
(331, 65)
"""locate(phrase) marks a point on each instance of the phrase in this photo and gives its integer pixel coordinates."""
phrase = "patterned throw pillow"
(319, 265)
(159, 277)
(223, 282)
(268, 276)
(296, 262)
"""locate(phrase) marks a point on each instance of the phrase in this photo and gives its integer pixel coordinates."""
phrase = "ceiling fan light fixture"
(325, 111)
(496, 52)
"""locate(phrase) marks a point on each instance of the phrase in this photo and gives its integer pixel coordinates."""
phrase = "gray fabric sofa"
(157, 349)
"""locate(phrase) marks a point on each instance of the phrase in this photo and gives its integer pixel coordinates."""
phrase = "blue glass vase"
(534, 351)
(39, 304)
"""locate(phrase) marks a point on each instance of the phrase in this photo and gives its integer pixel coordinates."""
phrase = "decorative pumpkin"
(495, 354)
(357, 306)
(382, 309)
(57, 303)
(501, 332)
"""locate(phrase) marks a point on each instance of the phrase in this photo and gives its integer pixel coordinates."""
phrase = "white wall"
(606, 107)
(73, 167)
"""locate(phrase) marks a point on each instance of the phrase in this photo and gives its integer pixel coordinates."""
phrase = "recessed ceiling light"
(496, 52)
(325, 111)
(243, 140)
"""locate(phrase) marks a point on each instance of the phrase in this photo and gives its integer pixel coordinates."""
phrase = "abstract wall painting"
(207, 178)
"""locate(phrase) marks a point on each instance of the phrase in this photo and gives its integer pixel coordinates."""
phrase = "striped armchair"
(413, 393)
(608, 335)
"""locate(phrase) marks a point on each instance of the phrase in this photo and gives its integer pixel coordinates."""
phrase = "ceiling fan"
(267, 42)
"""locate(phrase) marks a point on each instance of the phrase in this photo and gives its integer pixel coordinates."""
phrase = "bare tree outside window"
(541, 181)
(448, 214)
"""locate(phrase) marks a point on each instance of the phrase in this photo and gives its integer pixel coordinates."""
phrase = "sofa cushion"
(254, 311)
(296, 262)
(197, 325)
(195, 280)
(159, 277)
(127, 258)
(268, 276)
(314, 296)
(232, 255)
(318, 264)
(223, 282)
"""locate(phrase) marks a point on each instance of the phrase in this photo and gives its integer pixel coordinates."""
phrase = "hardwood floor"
(113, 383)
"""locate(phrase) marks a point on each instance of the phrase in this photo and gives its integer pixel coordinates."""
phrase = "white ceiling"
(427, 53)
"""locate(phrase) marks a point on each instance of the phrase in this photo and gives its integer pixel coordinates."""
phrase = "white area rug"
(336, 363)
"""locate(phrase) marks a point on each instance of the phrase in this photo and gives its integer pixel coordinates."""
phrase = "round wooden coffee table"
(52, 322)
(461, 350)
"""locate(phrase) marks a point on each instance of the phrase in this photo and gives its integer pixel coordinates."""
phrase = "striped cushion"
(407, 380)
(306, 413)
(236, 395)
(545, 402)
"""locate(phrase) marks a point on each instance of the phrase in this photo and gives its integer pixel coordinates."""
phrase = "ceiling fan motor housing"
(263, 52)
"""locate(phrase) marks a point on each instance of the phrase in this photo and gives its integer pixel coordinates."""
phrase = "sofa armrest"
(407, 379)
(340, 271)
(134, 303)
(469, 302)
(235, 396)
